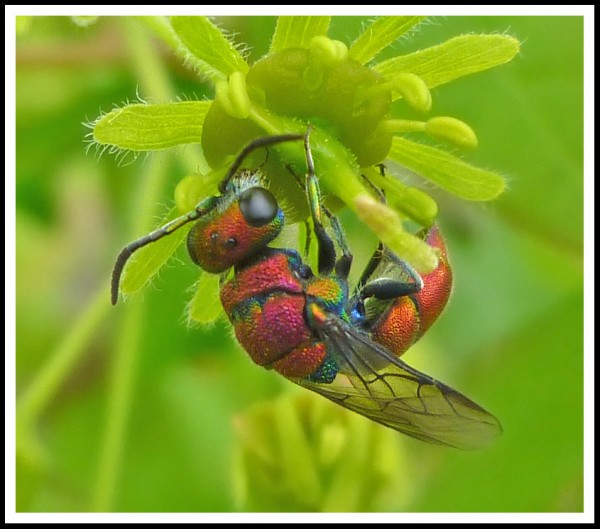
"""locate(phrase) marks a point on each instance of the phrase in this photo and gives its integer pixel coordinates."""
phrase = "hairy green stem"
(122, 380)
(147, 65)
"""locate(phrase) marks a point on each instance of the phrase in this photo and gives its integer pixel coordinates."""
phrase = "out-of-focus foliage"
(511, 337)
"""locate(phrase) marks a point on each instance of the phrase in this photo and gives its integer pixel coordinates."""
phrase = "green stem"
(125, 361)
(61, 362)
(127, 351)
(120, 396)
(148, 68)
(403, 125)
(162, 29)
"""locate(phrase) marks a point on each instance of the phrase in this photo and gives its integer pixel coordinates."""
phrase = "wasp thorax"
(233, 234)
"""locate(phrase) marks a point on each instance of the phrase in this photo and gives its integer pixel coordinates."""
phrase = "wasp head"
(246, 218)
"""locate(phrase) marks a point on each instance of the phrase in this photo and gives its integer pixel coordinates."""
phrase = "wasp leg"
(385, 289)
(380, 250)
(344, 263)
(302, 186)
(371, 267)
(327, 255)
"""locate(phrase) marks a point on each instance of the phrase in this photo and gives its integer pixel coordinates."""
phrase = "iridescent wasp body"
(309, 327)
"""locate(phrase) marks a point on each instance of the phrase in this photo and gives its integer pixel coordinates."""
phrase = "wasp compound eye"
(258, 206)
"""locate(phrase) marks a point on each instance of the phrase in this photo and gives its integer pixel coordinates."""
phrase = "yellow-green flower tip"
(417, 205)
(233, 95)
(414, 91)
(324, 54)
(387, 225)
(451, 130)
(327, 51)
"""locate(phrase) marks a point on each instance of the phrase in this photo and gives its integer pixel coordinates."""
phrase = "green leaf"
(205, 306)
(380, 34)
(453, 59)
(216, 57)
(297, 32)
(447, 171)
(147, 261)
(142, 127)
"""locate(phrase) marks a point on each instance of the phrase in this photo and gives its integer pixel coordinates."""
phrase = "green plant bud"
(336, 106)
(416, 205)
(327, 51)
(235, 103)
(414, 91)
(451, 130)
(386, 223)
(298, 453)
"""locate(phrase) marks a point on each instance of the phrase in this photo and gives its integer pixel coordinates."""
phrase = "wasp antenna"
(161, 232)
(124, 255)
(265, 141)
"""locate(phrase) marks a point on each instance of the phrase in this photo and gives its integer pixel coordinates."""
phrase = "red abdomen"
(409, 317)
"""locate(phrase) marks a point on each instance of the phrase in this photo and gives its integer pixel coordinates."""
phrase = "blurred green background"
(183, 421)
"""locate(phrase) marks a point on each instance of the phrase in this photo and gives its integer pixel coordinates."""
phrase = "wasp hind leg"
(385, 288)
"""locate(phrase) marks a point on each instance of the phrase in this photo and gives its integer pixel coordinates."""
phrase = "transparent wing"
(376, 384)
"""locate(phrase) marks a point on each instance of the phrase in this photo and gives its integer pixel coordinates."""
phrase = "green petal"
(142, 127)
(447, 171)
(297, 32)
(205, 306)
(217, 57)
(452, 59)
(380, 34)
(147, 261)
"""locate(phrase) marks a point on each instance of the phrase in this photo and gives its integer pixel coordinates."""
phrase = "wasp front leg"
(328, 262)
